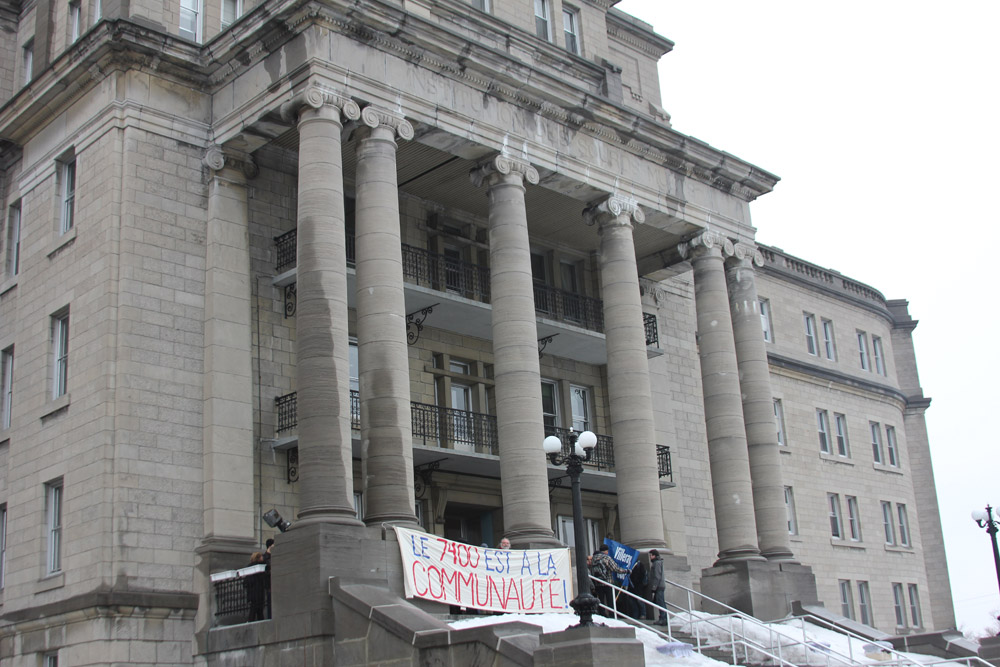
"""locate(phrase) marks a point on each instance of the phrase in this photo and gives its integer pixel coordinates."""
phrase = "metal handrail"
(446, 274)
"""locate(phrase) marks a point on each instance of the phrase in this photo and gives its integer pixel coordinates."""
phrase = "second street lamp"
(581, 444)
(986, 520)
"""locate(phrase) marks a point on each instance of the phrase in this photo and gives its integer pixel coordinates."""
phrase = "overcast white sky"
(881, 118)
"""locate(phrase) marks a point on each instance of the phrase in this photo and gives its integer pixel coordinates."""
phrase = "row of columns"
(747, 485)
(326, 488)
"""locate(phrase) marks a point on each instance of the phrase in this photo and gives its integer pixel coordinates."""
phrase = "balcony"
(470, 440)
(458, 294)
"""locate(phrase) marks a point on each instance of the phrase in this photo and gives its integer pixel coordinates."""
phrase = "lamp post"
(581, 444)
(984, 519)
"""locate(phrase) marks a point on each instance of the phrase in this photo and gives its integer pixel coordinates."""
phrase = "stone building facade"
(353, 261)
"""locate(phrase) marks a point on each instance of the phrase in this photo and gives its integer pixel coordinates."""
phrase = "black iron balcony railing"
(569, 307)
(446, 274)
(454, 429)
(284, 247)
(652, 330)
(448, 428)
(244, 595)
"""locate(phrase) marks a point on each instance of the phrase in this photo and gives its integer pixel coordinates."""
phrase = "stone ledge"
(106, 598)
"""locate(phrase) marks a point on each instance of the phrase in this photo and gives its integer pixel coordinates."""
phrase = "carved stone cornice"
(652, 288)
(218, 158)
(614, 210)
(372, 116)
(491, 170)
(317, 97)
(704, 243)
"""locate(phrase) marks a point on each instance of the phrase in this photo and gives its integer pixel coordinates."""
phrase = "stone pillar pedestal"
(326, 488)
(763, 589)
(628, 377)
(732, 492)
(386, 432)
(523, 477)
(758, 406)
(591, 645)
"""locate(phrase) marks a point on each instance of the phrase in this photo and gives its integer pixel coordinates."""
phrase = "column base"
(590, 645)
(533, 539)
(760, 588)
(779, 556)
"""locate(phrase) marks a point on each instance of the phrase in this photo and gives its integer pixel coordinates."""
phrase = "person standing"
(658, 585)
(605, 568)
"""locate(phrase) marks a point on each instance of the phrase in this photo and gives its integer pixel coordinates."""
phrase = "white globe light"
(587, 440)
(578, 450)
(979, 515)
(552, 445)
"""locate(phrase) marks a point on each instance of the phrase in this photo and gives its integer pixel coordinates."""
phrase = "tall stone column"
(523, 476)
(628, 376)
(758, 405)
(228, 516)
(727, 443)
(326, 488)
(386, 431)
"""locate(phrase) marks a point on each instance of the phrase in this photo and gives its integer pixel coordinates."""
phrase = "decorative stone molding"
(317, 97)
(613, 208)
(374, 117)
(748, 254)
(705, 242)
(218, 158)
(503, 165)
(652, 288)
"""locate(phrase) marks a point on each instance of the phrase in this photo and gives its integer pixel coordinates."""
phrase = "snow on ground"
(558, 622)
(800, 642)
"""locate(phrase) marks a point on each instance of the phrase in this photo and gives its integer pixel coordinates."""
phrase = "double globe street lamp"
(580, 445)
(984, 519)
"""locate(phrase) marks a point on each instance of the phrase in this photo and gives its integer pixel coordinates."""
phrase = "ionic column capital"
(372, 117)
(317, 97)
(705, 243)
(614, 210)
(491, 171)
(745, 256)
(218, 158)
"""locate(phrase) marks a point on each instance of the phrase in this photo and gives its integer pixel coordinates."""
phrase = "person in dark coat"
(657, 584)
(605, 568)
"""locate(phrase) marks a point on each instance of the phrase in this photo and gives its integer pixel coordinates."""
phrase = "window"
(887, 523)
(53, 523)
(828, 347)
(879, 355)
(904, 525)
(13, 263)
(846, 599)
(67, 194)
(60, 353)
(865, 602)
(51, 660)
(542, 19)
(359, 506)
(876, 430)
(890, 445)
(810, 323)
(27, 61)
(6, 386)
(231, 10)
(854, 518)
(779, 420)
(550, 403)
(580, 404)
(863, 350)
(481, 5)
(765, 320)
(74, 20)
(571, 29)
(3, 546)
(190, 20)
(823, 425)
(793, 524)
(898, 604)
(98, 12)
(836, 525)
(915, 616)
(843, 446)
(564, 526)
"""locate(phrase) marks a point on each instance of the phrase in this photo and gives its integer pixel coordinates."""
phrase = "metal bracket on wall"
(422, 477)
(543, 343)
(293, 464)
(291, 300)
(415, 323)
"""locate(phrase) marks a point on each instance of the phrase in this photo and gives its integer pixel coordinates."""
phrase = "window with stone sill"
(74, 21)
(571, 29)
(3, 546)
(6, 386)
(836, 523)
(66, 184)
(481, 5)
(823, 428)
(829, 348)
(543, 11)
(53, 524)
(864, 602)
(779, 421)
(863, 350)
(846, 599)
(854, 518)
(904, 525)
(899, 604)
(915, 616)
(809, 321)
(12, 246)
(765, 320)
(190, 20)
(231, 10)
(879, 355)
(843, 445)
(27, 61)
(892, 449)
(793, 522)
(888, 523)
(876, 431)
(60, 353)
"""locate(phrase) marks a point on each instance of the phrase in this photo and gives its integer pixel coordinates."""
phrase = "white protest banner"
(514, 581)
